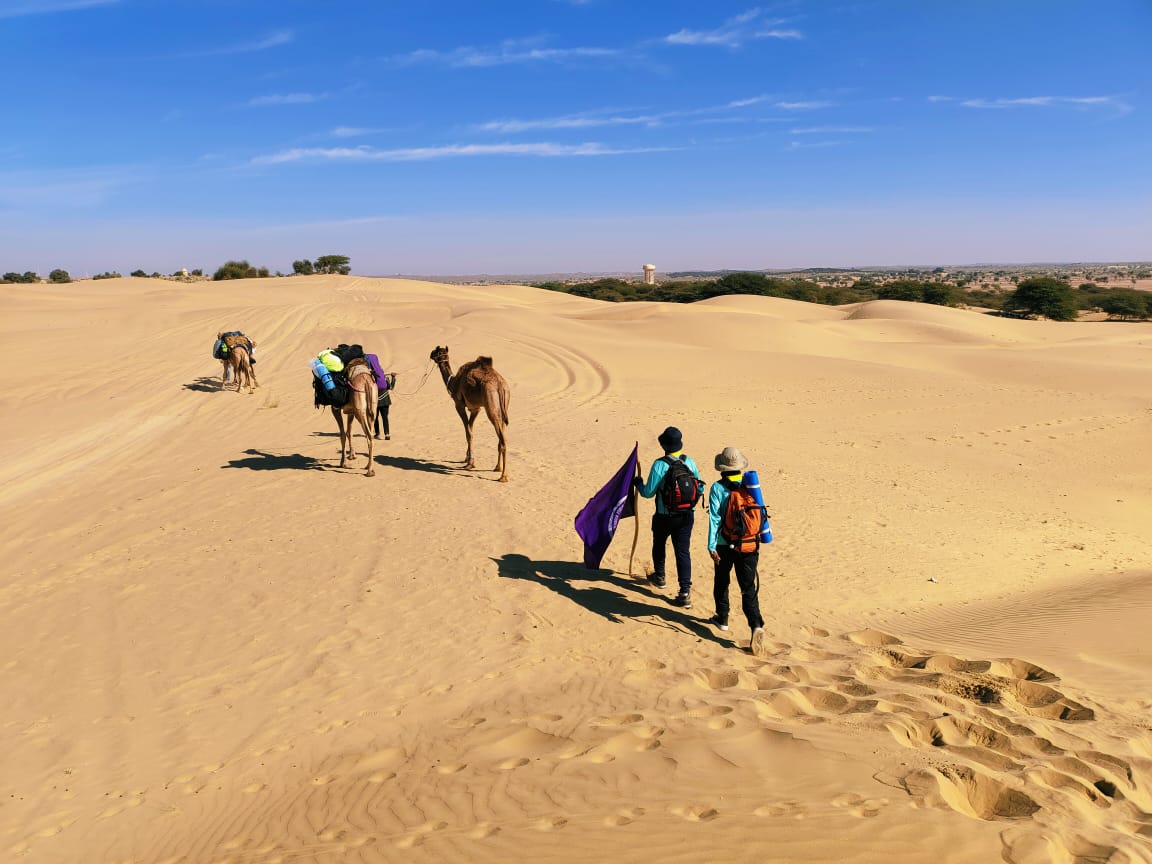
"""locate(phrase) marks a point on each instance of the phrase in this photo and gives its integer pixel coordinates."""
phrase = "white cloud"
(802, 106)
(604, 118)
(1043, 101)
(285, 99)
(734, 32)
(20, 8)
(449, 151)
(506, 53)
(831, 130)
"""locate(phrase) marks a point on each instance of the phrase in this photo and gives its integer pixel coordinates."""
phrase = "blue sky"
(516, 136)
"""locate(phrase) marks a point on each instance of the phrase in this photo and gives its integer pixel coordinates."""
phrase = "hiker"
(385, 383)
(737, 549)
(677, 479)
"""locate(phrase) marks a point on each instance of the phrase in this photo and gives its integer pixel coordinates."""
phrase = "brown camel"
(361, 406)
(477, 385)
(239, 362)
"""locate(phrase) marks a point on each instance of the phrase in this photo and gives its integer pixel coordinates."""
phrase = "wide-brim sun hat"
(671, 439)
(731, 461)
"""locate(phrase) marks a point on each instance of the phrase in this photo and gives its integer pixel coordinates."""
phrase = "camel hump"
(485, 362)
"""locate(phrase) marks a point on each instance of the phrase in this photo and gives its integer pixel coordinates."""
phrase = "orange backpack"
(743, 520)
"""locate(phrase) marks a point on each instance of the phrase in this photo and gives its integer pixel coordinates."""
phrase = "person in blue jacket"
(731, 464)
(667, 524)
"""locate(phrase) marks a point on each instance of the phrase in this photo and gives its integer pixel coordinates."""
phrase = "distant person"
(385, 383)
(677, 480)
(734, 548)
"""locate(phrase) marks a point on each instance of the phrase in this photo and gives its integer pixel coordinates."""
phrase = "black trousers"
(382, 406)
(678, 527)
(744, 563)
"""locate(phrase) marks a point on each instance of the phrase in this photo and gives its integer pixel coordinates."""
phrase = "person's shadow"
(562, 576)
(261, 461)
(205, 384)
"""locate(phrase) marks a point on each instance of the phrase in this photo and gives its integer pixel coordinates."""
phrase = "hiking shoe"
(683, 601)
(717, 622)
(757, 646)
(657, 580)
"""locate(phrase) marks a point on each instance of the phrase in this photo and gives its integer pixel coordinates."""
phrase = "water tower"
(649, 274)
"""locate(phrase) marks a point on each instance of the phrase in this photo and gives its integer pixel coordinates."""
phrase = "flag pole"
(636, 517)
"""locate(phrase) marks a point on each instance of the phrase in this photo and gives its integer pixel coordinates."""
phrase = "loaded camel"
(477, 385)
(239, 362)
(361, 405)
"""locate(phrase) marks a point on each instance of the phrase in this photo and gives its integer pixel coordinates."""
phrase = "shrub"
(1125, 305)
(1042, 295)
(333, 264)
(59, 277)
(112, 274)
(235, 270)
(303, 267)
(139, 274)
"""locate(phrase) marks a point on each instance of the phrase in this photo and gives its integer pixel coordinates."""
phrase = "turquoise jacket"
(717, 502)
(656, 478)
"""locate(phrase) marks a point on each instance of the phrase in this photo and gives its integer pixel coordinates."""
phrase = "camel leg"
(502, 451)
(362, 417)
(472, 414)
(467, 433)
(336, 412)
(252, 376)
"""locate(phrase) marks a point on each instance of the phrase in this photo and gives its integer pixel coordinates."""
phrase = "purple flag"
(596, 523)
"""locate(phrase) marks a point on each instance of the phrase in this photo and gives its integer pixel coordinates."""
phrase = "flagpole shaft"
(636, 518)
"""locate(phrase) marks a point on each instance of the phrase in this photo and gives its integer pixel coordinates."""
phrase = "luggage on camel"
(681, 488)
(328, 387)
(332, 361)
(744, 518)
(230, 340)
(348, 353)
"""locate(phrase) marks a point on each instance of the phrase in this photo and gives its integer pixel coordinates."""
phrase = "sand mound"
(220, 647)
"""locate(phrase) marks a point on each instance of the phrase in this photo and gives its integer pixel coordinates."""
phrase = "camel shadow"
(205, 384)
(407, 463)
(561, 576)
(261, 461)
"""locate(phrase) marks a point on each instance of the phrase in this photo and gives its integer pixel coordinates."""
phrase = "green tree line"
(1040, 296)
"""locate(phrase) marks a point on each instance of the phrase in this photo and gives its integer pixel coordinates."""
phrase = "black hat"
(671, 439)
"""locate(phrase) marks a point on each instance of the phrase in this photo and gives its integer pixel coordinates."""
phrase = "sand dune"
(218, 647)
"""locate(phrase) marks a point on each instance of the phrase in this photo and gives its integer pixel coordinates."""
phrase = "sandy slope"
(219, 648)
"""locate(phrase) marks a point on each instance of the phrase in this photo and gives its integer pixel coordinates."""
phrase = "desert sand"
(219, 648)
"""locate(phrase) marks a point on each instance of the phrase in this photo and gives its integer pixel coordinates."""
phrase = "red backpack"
(743, 520)
(680, 489)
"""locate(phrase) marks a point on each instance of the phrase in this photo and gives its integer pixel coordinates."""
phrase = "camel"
(238, 361)
(477, 385)
(361, 406)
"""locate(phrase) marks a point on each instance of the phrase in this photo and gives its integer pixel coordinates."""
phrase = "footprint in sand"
(696, 813)
(451, 767)
(484, 830)
(510, 764)
(551, 823)
(617, 720)
(790, 808)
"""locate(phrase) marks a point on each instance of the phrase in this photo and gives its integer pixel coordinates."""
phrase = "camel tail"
(504, 397)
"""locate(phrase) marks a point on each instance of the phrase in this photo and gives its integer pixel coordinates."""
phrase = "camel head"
(439, 355)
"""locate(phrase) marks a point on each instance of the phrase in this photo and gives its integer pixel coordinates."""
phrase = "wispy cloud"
(831, 130)
(734, 32)
(20, 8)
(449, 151)
(285, 99)
(1038, 102)
(351, 131)
(507, 53)
(63, 189)
(608, 118)
(273, 40)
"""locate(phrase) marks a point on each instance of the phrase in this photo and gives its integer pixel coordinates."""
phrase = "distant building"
(649, 274)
